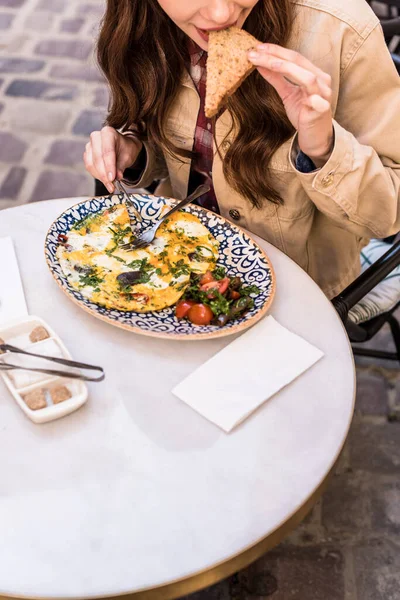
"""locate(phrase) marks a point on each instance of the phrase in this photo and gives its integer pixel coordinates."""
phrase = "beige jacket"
(329, 214)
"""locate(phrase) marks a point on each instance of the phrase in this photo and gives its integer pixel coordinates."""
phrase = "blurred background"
(51, 97)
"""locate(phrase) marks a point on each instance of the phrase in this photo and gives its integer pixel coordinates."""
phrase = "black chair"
(390, 25)
(356, 291)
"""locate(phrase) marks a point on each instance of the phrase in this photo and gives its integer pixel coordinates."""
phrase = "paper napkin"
(246, 373)
(12, 298)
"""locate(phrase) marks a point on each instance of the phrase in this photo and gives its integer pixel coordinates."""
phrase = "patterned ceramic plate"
(239, 254)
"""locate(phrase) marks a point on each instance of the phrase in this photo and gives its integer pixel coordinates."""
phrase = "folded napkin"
(12, 299)
(274, 357)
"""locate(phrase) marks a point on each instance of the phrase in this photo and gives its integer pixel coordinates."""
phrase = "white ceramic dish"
(17, 334)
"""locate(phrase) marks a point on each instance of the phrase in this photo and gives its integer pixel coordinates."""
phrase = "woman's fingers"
(291, 71)
(98, 159)
(296, 58)
(88, 158)
(285, 75)
(100, 156)
(317, 103)
(108, 143)
(88, 161)
(325, 91)
(108, 154)
(282, 85)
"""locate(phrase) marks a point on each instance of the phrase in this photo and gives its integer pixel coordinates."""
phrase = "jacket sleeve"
(359, 186)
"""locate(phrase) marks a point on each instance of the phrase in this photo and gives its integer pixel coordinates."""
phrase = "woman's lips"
(204, 33)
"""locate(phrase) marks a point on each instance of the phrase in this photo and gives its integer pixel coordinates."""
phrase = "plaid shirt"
(203, 143)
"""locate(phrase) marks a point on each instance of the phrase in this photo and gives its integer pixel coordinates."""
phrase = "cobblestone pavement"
(51, 98)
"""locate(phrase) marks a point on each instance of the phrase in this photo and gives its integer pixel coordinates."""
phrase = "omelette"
(144, 280)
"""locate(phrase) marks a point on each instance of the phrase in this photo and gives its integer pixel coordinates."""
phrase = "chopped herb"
(163, 254)
(193, 292)
(91, 280)
(200, 248)
(86, 222)
(140, 265)
(110, 253)
(120, 234)
(249, 289)
(219, 273)
(219, 304)
(180, 268)
(181, 287)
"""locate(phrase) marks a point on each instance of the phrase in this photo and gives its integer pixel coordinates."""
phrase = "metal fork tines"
(122, 190)
(147, 236)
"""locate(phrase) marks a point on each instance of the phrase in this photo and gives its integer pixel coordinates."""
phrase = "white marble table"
(137, 493)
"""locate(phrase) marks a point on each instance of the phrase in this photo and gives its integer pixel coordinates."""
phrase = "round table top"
(136, 491)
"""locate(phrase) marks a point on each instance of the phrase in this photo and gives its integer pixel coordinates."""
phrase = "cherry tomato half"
(207, 278)
(183, 307)
(200, 314)
(221, 286)
(234, 295)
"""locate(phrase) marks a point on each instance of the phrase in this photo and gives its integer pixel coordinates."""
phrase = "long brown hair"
(143, 55)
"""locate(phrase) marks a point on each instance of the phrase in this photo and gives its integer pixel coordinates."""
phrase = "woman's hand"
(305, 91)
(109, 153)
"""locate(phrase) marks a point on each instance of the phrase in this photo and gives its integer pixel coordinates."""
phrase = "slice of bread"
(227, 65)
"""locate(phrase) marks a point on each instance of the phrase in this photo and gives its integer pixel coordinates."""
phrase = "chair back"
(388, 12)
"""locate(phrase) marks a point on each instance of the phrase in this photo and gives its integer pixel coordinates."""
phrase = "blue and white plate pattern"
(238, 253)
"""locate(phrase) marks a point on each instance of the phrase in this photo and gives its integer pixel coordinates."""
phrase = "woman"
(307, 152)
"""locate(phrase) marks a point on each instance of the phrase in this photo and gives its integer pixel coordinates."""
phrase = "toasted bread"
(227, 65)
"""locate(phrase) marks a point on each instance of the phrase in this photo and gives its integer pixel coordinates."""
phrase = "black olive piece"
(84, 270)
(193, 256)
(235, 283)
(240, 306)
(221, 320)
(129, 278)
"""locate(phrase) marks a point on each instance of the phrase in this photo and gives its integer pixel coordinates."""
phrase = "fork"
(121, 189)
(147, 236)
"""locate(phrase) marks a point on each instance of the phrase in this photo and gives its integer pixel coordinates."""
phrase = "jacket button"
(235, 214)
(328, 180)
